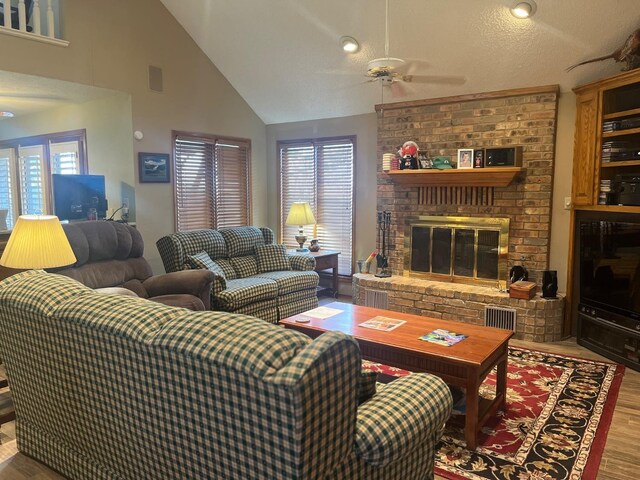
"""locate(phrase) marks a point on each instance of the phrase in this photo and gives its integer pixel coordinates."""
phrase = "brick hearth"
(538, 320)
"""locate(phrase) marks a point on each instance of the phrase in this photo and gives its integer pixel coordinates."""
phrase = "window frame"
(45, 140)
(313, 141)
(211, 139)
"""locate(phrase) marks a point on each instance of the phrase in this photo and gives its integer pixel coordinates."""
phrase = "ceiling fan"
(394, 72)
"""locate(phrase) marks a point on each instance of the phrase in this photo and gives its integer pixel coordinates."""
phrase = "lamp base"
(302, 250)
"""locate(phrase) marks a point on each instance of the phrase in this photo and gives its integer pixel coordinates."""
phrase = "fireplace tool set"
(384, 232)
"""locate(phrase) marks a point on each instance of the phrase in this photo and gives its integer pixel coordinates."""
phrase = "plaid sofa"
(118, 387)
(240, 285)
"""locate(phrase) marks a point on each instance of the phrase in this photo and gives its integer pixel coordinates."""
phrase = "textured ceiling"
(24, 94)
(283, 56)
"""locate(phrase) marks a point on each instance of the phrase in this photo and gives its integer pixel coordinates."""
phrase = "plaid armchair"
(254, 276)
(115, 387)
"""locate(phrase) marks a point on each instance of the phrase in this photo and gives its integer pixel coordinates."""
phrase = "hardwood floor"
(620, 460)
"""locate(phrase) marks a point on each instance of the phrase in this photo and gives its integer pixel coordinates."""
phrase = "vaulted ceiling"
(284, 58)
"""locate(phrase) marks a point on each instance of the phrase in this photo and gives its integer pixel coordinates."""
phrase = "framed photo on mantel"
(465, 158)
(154, 167)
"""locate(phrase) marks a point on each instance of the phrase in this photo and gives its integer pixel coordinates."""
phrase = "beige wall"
(365, 129)
(560, 217)
(108, 125)
(112, 43)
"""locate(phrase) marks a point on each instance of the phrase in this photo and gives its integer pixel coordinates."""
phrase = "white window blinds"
(32, 181)
(6, 189)
(320, 172)
(213, 182)
(64, 158)
(26, 165)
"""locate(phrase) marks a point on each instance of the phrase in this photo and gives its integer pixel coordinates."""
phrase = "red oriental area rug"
(554, 427)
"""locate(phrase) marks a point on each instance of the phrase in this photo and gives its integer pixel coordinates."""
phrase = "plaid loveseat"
(244, 283)
(117, 387)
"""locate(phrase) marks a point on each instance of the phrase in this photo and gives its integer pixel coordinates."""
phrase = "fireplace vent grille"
(376, 299)
(500, 317)
(477, 196)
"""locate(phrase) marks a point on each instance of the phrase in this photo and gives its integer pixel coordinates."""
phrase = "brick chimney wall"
(523, 117)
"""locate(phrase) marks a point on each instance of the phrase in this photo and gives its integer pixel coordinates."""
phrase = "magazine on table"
(384, 324)
(440, 336)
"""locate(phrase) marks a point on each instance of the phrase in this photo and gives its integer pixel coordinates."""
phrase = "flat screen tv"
(74, 197)
(610, 266)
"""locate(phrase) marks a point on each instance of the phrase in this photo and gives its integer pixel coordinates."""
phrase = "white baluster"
(36, 17)
(50, 23)
(7, 13)
(22, 16)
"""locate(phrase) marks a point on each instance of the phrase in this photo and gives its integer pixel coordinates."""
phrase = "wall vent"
(376, 299)
(500, 317)
(155, 79)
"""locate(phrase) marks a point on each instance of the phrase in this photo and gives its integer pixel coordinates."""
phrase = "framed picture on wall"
(465, 158)
(154, 167)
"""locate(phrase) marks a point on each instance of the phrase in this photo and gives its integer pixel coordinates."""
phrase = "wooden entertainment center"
(606, 170)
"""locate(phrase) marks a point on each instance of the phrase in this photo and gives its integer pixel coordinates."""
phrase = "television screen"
(79, 197)
(610, 266)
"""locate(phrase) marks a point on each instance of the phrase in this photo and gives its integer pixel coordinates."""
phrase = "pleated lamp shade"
(300, 214)
(37, 241)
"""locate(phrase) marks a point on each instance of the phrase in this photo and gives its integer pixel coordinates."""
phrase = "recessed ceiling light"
(524, 9)
(349, 44)
(6, 114)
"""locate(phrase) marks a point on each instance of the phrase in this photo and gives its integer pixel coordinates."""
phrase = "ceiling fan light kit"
(524, 9)
(349, 44)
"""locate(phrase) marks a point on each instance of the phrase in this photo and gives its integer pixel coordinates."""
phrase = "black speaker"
(549, 284)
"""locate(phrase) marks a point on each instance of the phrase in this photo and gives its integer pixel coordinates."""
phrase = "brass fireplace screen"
(457, 249)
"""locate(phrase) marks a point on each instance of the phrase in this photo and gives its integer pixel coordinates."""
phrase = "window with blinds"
(320, 172)
(212, 181)
(26, 165)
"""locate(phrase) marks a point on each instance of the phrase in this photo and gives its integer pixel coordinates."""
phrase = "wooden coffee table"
(465, 364)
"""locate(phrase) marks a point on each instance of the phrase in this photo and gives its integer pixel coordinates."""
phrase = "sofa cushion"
(227, 268)
(244, 266)
(291, 281)
(272, 258)
(244, 291)
(203, 260)
(242, 241)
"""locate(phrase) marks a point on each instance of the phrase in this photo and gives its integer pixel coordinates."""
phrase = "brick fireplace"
(523, 118)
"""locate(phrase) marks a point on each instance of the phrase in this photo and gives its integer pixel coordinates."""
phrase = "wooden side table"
(326, 260)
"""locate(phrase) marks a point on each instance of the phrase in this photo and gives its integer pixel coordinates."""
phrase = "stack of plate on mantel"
(387, 160)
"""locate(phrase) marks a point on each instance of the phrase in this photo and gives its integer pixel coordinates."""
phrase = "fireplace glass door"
(450, 249)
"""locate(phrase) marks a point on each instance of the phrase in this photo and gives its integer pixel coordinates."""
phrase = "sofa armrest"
(409, 410)
(193, 282)
(301, 262)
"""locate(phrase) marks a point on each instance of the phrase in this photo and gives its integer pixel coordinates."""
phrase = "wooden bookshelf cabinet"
(612, 99)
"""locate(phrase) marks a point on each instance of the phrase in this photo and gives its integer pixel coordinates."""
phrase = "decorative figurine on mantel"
(384, 231)
(409, 156)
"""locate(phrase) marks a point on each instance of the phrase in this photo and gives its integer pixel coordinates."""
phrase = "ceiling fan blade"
(435, 79)
(397, 89)
(414, 66)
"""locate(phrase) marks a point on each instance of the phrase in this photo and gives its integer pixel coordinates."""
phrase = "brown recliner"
(109, 254)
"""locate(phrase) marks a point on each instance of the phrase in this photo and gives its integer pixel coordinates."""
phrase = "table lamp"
(300, 214)
(37, 241)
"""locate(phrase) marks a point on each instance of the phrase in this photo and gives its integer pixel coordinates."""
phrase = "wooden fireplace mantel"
(473, 177)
